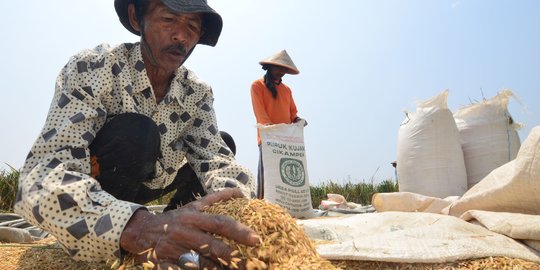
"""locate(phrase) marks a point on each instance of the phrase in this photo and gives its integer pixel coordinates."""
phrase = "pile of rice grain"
(284, 245)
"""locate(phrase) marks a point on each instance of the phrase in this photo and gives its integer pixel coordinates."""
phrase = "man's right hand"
(162, 238)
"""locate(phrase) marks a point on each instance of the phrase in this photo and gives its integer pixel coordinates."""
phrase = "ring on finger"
(189, 260)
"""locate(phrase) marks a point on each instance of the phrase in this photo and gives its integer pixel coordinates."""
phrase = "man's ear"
(133, 18)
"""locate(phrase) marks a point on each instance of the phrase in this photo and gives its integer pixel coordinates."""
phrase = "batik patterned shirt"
(56, 191)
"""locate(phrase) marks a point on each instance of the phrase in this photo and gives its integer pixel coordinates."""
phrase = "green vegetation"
(353, 192)
(9, 182)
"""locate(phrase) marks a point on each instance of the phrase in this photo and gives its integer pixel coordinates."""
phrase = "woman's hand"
(298, 119)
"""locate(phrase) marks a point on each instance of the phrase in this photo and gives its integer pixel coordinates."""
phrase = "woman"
(272, 100)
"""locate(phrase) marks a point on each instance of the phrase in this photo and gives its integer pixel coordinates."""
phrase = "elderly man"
(127, 125)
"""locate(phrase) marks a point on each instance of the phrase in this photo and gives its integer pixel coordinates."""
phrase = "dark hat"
(212, 22)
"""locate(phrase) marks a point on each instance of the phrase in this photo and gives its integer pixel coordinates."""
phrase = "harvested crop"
(284, 245)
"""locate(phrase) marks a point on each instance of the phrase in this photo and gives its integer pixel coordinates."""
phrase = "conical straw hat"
(281, 59)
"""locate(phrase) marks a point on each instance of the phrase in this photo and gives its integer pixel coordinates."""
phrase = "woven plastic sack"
(409, 202)
(488, 134)
(429, 156)
(409, 237)
(286, 181)
(513, 187)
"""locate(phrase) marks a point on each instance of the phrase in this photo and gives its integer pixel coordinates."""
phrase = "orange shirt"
(269, 110)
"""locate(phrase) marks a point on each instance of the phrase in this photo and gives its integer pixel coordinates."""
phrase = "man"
(127, 125)
(272, 100)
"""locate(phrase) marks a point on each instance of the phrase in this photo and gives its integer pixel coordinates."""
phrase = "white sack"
(429, 156)
(15, 235)
(409, 202)
(513, 187)
(514, 225)
(286, 181)
(506, 201)
(488, 136)
(535, 244)
(409, 238)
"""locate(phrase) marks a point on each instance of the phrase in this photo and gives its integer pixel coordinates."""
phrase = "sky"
(362, 64)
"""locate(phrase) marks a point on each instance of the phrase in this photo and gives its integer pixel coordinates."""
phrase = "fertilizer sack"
(286, 181)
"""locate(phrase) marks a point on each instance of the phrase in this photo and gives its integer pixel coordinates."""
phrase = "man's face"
(169, 36)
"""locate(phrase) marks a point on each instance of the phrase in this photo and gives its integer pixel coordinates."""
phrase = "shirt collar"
(141, 82)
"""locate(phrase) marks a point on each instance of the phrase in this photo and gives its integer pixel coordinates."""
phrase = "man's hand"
(162, 238)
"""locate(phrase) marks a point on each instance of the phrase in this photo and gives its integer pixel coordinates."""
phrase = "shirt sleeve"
(257, 100)
(209, 156)
(56, 192)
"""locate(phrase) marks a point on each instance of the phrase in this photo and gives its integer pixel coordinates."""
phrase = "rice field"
(359, 192)
(9, 182)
